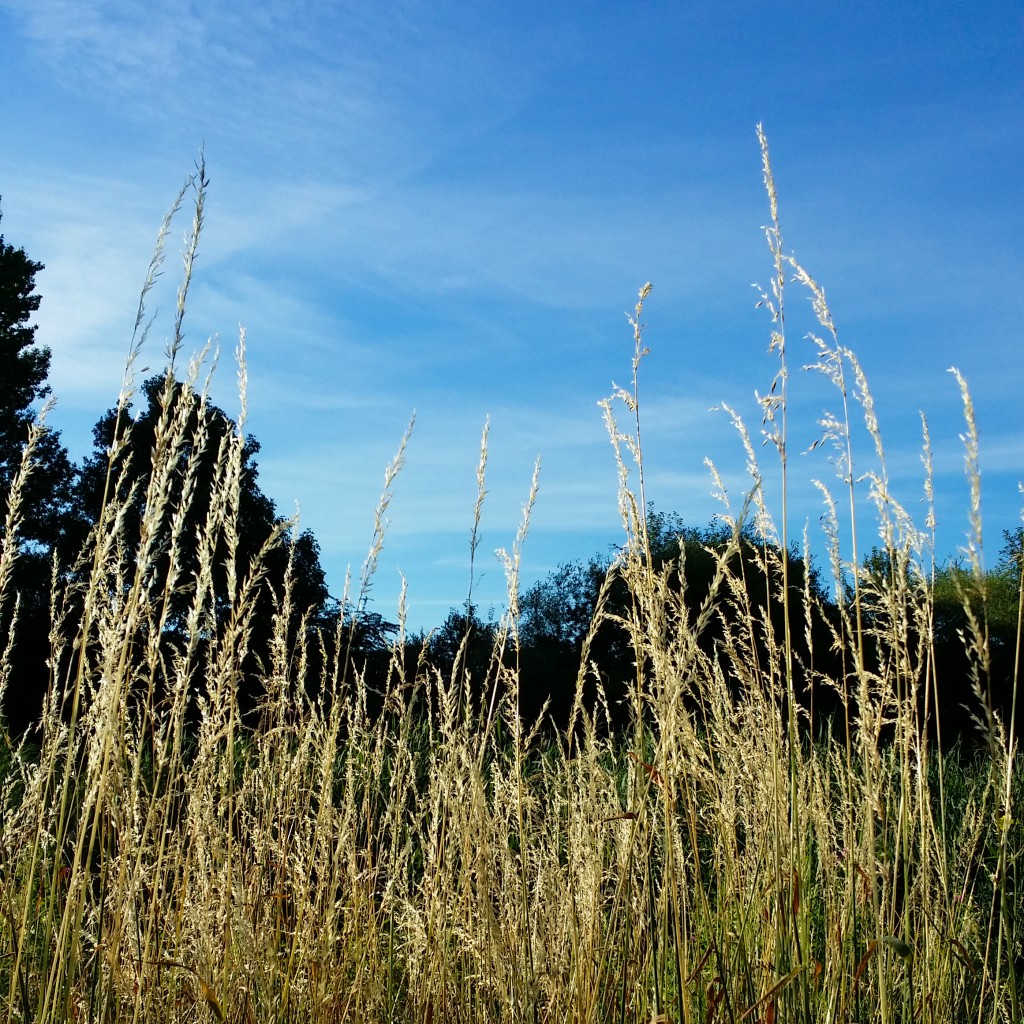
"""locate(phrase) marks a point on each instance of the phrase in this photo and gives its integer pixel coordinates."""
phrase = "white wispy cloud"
(347, 82)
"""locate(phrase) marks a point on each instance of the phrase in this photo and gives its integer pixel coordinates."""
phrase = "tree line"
(573, 627)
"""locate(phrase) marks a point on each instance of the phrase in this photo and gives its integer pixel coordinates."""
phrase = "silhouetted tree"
(553, 648)
(977, 644)
(45, 501)
(353, 648)
(124, 479)
(462, 646)
(556, 614)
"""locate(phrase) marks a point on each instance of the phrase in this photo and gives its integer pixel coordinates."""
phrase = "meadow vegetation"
(697, 848)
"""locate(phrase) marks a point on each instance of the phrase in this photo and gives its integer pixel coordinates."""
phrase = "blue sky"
(448, 208)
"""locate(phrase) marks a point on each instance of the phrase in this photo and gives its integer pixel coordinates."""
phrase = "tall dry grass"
(335, 864)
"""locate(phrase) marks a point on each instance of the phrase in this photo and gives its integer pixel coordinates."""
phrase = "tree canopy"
(23, 384)
(179, 435)
(557, 614)
(46, 493)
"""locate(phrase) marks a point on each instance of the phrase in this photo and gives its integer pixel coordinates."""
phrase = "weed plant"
(437, 860)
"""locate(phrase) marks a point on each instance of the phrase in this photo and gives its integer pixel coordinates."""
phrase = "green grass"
(708, 863)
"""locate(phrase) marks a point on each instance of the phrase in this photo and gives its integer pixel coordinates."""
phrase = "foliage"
(47, 489)
(26, 365)
(180, 504)
(23, 385)
(557, 613)
(965, 600)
